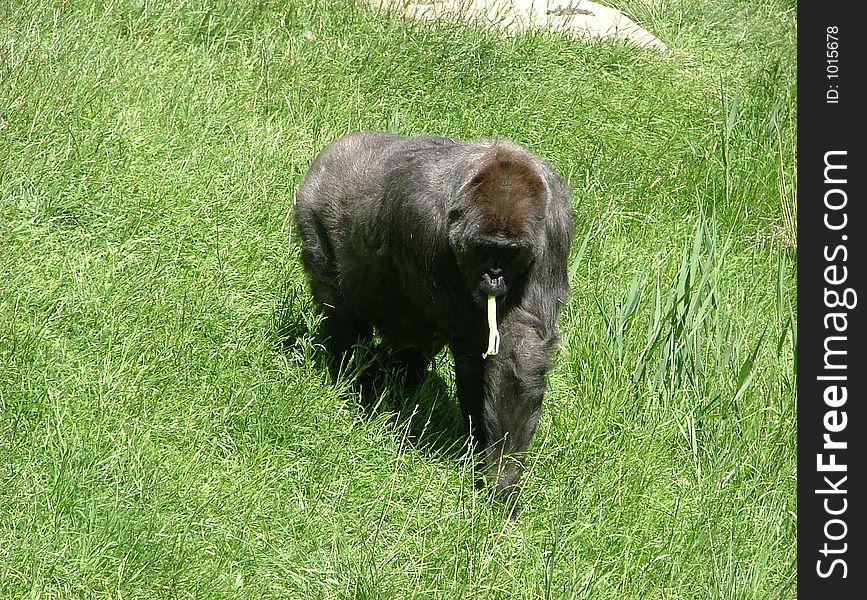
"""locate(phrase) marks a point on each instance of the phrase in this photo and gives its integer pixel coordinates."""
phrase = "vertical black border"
(823, 127)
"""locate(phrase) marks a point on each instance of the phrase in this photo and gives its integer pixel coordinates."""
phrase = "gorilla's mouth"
(493, 282)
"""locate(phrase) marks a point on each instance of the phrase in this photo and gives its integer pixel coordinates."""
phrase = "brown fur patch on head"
(509, 192)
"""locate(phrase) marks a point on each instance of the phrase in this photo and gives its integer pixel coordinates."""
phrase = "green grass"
(158, 441)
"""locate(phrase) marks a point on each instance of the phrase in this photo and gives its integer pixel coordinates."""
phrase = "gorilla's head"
(495, 220)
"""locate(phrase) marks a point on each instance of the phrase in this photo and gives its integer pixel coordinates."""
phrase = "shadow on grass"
(424, 411)
(420, 408)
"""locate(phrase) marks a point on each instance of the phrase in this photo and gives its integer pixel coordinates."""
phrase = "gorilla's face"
(491, 267)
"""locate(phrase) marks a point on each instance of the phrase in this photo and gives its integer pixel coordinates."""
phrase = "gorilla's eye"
(512, 257)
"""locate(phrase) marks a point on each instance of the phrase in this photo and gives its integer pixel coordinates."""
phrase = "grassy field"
(165, 429)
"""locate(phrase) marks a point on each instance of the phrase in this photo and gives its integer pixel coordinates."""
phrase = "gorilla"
(431, 242)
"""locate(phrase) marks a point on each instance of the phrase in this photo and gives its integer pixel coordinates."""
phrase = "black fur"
(409, 235)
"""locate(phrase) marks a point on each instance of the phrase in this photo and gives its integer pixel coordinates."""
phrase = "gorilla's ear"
(510, 193)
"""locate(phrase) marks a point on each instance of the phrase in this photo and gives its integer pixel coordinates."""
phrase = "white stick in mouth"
(493, 334)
